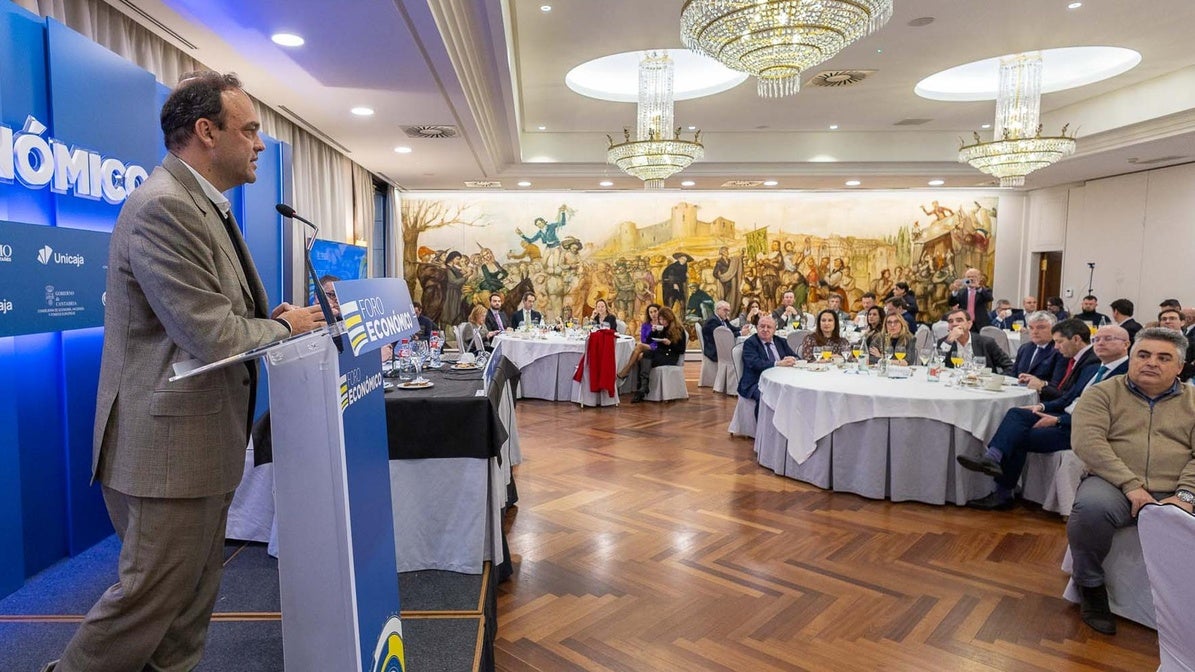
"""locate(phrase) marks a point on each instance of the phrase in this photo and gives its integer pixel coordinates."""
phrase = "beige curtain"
(324, 179)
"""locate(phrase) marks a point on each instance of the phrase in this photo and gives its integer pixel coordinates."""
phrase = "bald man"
(974, 298)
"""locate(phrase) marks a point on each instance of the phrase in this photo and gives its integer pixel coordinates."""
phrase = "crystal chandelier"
(652, 156)
(777, 39)
(1018, 148)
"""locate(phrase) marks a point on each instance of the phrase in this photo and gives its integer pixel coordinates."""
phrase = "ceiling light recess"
(616, 77)
(287, 40)
(1061, 69)
(776, 40)
(362, 111)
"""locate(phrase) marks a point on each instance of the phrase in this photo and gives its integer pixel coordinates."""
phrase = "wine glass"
(957, 361)
(857, 350)
(418, 357)
(827, 353)
(817, 352)
(900, 355)
(1016, 326)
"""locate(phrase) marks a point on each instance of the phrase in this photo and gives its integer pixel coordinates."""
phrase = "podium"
(336, 560)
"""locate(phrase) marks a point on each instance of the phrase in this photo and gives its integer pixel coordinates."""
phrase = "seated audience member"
(1170, 303)
(897, 306)
(1172, 318)
(1045, 427)
(1037, 356)
(1134, 433)
(496, 320)
(1004, 315)
(1029, 305)
(867, 301)
(651, 329)
(473, 334)
(426, 326)
(1089, 313)
(720, 319)
(834, 303)
(893, 339)
(601, 315)
(788, 316)
(749, 317)
(901, 291)
(1072, 342)
(1122, 315)
(826, 336)
(960, 341)
(326, 282)
(526, 314)
(1054, 305)
(761, 352)
(1189, 332)
(874, 323)
(671, 349)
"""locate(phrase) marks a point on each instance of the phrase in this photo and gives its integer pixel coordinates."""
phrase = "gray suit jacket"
(175, 291)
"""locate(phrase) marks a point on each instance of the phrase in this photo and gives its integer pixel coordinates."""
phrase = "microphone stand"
(1090, 277)
(321, 296)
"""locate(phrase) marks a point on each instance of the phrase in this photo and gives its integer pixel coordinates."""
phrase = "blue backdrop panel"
(23, 93)
(12, 558)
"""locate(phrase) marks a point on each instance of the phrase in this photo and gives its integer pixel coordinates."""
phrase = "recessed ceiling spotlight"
(362, 111)
(524, 183)
(1074, 5)
(606, 183)
(687, 183)
(833, 127)
(853, 183)
(985, 126)
(287, 40)
(879, 51)
(545, 8)
(770, 183)
(403, 150)
(936, 183)
(692, 128)
(543, 128)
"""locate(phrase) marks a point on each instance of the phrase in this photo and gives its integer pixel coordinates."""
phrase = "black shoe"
(637, 398)
(993, 502)
(50, 666)
(1094, 609)
(983, 464)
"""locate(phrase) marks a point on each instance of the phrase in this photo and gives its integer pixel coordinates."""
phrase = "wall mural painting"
(688, 251)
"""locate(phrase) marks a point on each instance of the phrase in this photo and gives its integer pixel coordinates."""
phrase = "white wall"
(1137, 229)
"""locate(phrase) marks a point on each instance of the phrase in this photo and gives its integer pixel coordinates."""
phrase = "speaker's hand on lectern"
(301, 320)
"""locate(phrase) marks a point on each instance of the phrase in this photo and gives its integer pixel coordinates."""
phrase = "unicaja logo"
(43, 255)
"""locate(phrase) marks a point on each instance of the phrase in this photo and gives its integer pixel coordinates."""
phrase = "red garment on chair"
(599, 354)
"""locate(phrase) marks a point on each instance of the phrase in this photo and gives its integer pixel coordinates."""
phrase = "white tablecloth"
(877, 437)
(547, 364)
(1014, 342)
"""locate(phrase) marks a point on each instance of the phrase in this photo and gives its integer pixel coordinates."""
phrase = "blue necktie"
(1099, 374)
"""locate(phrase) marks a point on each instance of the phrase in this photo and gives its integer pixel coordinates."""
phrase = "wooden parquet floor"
(646, 538)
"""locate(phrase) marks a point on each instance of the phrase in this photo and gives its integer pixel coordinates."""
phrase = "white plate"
(412, 385)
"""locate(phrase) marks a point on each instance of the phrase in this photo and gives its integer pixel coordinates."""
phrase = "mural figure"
(675, 281)
(547, 230)
(454, 282)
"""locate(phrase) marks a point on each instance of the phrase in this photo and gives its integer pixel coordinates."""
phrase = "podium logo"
(43, 255)
(353, 387)
(367, 321)
(5, 252)
(388, 655)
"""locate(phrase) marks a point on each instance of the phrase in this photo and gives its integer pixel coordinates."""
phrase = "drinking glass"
(418, 357)
(817, 352)
(957, 361)
(827, 353)
(1016, 326)
(900, 355)
(979, 363)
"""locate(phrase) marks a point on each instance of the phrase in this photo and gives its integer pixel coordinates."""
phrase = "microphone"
(321, 296)
(289, 213)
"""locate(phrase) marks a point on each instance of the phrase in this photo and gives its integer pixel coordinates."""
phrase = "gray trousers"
(156, 616)
(1100, 510)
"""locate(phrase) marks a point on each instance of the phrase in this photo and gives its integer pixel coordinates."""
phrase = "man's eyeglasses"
(1101, 339)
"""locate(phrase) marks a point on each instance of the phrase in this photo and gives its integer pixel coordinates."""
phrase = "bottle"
(933, 368)
(406, 368)
(433, 350)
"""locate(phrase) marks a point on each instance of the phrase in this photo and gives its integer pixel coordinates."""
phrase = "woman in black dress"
(670, 347)
(601, 315)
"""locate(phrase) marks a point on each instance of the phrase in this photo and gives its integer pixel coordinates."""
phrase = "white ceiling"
(495, 69)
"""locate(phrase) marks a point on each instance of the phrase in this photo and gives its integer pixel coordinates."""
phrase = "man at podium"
(181, 285)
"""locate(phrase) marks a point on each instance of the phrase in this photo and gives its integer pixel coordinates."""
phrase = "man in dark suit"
(721, 318)
(1037, 356)
(1004, 315)
(1045, 427)
(527, 314)
(426, 326)
(974, 298)
(1122, 314)
(1072, 342)
(181, 285)
(1089, 314)
(496, 320)
(960, 339)
(760, 353)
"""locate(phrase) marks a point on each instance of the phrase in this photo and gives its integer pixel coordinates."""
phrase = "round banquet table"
(547, 363)
(879, 437)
